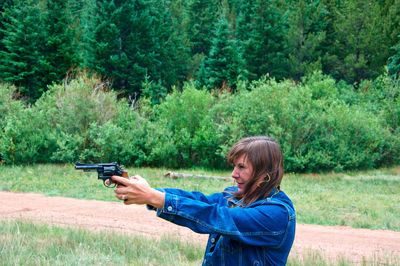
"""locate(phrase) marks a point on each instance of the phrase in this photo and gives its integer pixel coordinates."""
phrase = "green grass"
(360, 200)
(26, 243)
(368, 199)
(23, 243)
(317, 258)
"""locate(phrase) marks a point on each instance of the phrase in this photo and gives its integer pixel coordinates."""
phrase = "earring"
(265, 181)
(269, 178)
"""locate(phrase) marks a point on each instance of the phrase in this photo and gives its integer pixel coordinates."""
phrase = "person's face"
(242, 171)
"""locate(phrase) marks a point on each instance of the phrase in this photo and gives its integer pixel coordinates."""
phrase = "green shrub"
(79, 120)
(8, 105)
(26, 137)
(321, 125)
(345, 138)
(70, 109)
(122, 139)
(182, 135)
(316, 130)
(73, 106)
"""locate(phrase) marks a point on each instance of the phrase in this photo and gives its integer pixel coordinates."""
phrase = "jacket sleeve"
(262, 225)
(194, 195)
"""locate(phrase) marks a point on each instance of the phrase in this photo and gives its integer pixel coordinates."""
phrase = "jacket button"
(169, 208)
(213, 240)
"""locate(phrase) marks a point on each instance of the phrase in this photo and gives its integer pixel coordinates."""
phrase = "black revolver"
(104, 170)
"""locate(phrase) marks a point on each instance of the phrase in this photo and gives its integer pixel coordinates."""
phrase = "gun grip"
(125, 174)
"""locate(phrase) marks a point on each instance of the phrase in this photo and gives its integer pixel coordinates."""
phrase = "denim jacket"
(261, 233)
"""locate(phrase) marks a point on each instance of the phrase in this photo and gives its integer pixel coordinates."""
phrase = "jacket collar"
(238, 202)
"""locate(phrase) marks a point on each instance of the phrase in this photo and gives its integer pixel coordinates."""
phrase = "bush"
(26, 137)
(8, 105)
(182, 135)
(122, 139)
(316, 130)
(321, 125)
(345, 138)
(79, 120)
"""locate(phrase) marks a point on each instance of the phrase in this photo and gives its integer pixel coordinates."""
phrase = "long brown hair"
(266, 157)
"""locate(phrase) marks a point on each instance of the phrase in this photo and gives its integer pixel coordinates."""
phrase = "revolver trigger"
(108, 183)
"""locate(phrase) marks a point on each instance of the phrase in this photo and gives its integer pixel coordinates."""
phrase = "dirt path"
(332, 241)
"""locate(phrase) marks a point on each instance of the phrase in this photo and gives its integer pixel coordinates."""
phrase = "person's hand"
(136, 190)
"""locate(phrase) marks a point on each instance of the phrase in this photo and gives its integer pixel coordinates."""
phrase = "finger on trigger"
(119, 180)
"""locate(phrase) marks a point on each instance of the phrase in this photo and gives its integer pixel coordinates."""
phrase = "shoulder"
(231, 189)
(281, 204)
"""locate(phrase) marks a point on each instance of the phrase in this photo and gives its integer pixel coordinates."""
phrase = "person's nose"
(235, 173)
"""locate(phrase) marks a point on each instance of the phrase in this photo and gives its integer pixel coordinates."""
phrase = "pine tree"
(58, 50)
(394, 62)
(261, 28)
(202, 15)
(135, 40)
(391, 24)
(3, 5)
(22, 61)
(220, 67)
(82, 17)
(390, 19)
(37, 48)
(360, 47)
(307, 31)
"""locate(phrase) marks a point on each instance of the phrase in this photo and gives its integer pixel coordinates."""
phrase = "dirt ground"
(332, 241)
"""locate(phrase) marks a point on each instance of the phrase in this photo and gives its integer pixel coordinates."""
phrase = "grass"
(26, 243)
(359, 199)
(23, 243)
(317, 258)
(366, 199)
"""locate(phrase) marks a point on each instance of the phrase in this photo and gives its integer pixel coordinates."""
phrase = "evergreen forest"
(174, 83)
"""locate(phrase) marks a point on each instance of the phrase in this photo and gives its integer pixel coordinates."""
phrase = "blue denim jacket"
(259, 234)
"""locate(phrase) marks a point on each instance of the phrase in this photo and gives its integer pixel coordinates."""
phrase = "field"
(360, 200)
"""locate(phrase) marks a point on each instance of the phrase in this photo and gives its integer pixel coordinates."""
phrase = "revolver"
(104, 170)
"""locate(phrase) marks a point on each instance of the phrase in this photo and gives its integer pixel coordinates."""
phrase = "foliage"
(317, 131)
(261, 27)
(78, 120)
(360, 46)
(126, 59)
(202, 15)
(321, 125)
(22, 59)
(394, 62)
(220, 65)
(37, 49)
(8, 104)
(182, 133)
(154, 91)
(307, 30)
(164, 44)
(26, 137)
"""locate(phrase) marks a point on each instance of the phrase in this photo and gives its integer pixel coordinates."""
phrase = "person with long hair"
(251, 223)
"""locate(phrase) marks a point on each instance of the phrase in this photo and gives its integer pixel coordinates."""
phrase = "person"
(251, 223)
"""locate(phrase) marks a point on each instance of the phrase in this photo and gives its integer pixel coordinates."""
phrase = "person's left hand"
(136, 190)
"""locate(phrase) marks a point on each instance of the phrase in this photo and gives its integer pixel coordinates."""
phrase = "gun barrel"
(87, 167)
